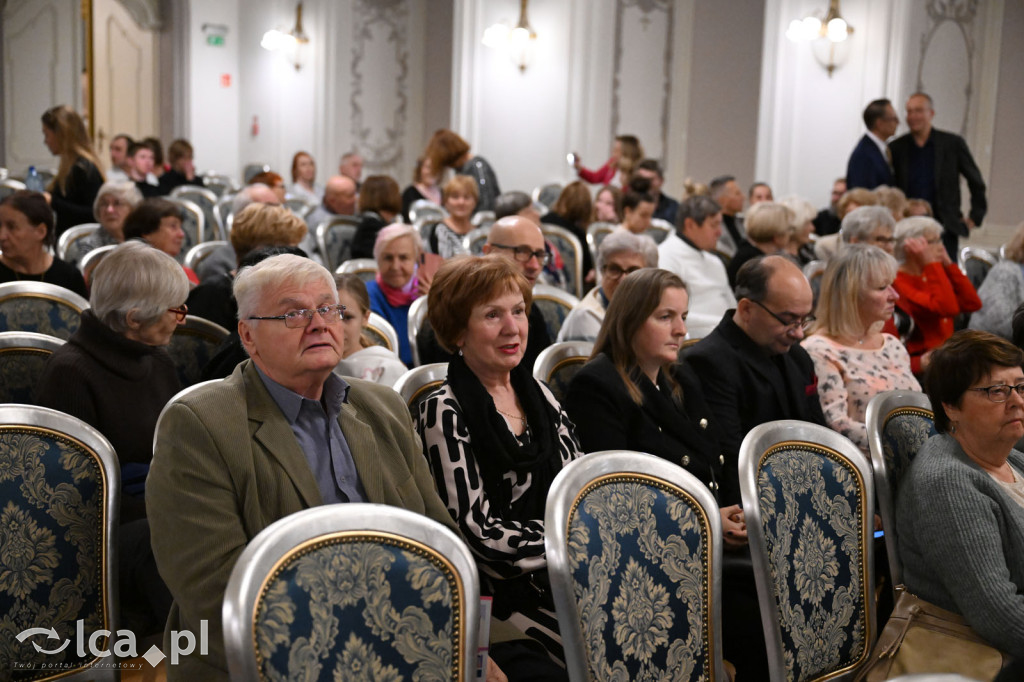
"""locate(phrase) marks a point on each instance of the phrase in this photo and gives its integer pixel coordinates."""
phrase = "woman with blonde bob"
(768, 232)
(853, 359)
(73, 189)
(1002, 292)
(459, 197)
(495, 438)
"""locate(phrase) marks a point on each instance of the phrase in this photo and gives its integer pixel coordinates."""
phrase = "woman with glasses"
(853, 359)
(113, 204)
(115, 374)
(932, 289)
(619, 254)
(960, 506)
(397, 251)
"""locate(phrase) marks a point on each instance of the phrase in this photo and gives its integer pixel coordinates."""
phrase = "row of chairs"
(813, 562)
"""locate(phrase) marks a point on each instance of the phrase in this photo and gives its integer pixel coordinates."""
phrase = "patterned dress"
(505, 547)
(848, 378)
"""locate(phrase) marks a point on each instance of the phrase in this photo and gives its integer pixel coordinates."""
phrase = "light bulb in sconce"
(495, 34)
(837, 30)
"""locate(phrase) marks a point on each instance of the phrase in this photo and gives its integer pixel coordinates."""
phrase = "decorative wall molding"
(961, 14)
(379, 104)
(649, 9)
(146, 13)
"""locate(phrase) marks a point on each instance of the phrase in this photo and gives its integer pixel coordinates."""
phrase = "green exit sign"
(215, 40)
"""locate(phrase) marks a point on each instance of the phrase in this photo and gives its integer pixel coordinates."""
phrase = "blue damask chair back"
(634, 548)
(899, 423)
(59, 492)
(23, 357)
(808, 498)
(345, 587)
(193, 345)
(555, 304)
(40, 307)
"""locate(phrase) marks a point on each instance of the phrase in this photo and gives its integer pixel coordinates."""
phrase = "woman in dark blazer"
(633, 394)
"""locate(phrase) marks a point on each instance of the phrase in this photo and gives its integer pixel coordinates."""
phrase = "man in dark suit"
(751, 367)
(928, 163)
(869, 164)
(281, 434)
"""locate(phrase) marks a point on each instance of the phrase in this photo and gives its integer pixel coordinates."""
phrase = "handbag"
(920, 637)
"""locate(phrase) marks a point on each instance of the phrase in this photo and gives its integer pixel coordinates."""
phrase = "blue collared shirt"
(316, 428)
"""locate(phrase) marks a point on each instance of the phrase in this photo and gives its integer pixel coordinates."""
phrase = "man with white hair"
(283, 433)
(619, 254)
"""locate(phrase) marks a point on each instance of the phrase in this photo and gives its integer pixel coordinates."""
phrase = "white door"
(125, 76)
(44, 58)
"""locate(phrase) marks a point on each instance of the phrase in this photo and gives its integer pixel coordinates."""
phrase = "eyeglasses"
(300, 319)
(802, 322)
(1000, 393)
(523, 254)
(613, 271)
(882, 240)
(179, 313)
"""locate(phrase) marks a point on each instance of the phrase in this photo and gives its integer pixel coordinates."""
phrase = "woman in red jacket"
(932, 289)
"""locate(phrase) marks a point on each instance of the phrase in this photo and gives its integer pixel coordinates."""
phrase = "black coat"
(741, 384)
(607, 418)
(952, 159)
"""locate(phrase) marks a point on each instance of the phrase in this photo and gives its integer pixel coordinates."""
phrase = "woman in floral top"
(853, 359)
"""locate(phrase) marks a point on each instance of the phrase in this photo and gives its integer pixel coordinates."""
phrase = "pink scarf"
(398, 298)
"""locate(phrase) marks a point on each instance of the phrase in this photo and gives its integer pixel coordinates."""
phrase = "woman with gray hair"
(932, 289)
(1002, 291)
(113, 204)
(120, 373)
(801, 245)
(114, 374)
(853, 358)
(619, 254)
(397, 251)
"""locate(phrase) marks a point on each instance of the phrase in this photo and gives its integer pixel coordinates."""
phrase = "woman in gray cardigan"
(960, 508)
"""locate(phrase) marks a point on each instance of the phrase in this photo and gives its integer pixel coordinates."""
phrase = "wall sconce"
(276, 40)
(827, 36)
(518, 42)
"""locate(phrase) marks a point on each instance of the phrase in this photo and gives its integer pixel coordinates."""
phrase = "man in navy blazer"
(869, 163)
(928, 163)
(751, 367)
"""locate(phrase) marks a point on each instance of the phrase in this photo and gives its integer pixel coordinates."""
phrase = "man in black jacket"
(928, 163)
(751, 367)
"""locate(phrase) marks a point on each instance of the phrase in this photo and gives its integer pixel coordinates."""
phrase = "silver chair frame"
(88, 261)
(356, 266)
(551, 293)
(12, 415)
(211, 226)
(577, 256)
(413, 383)
(417, 316)
(880, 410)
(659, 230)
(264, 552)
(200, 252)
(552, 357)
(321, 236)
(192, 209)
(43, 290)
(475, 239)
(570, 482)
(72, 235)
(757, 441)
(384, 328)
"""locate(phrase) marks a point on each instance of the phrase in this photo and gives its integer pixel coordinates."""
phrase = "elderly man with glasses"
(281, 434)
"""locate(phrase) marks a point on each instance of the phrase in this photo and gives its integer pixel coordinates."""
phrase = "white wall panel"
(42, 55)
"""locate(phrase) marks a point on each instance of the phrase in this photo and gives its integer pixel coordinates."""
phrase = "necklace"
(510, 416)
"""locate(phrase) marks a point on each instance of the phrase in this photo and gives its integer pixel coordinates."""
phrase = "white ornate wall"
(42, 57)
